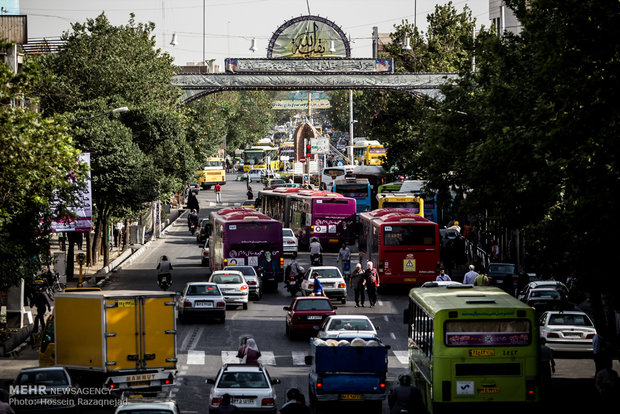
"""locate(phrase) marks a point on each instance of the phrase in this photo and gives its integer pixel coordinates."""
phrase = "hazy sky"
(231, 24)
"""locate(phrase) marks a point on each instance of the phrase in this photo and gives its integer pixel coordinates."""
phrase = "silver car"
(331, 279)
(289, 241)
(249, 385)
(233, 286)
(201, 299)
(567, 331)
(254, 282)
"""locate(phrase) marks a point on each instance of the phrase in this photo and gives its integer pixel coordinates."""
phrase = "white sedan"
(567, 331)
(233, 286)
(331, 280)
(347, 326)
(289, 241)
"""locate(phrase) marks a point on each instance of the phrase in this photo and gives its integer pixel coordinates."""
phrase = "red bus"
(404, 247)
(245, 237)
(330, 217)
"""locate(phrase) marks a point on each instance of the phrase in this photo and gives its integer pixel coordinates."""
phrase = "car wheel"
(245, 306)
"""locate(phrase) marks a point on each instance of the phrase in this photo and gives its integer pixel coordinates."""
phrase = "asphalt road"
(203, 347)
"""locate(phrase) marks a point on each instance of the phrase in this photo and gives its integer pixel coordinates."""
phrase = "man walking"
(357, 283)
(218, 193)
(470, 276)
(42, 303)
(371, 279)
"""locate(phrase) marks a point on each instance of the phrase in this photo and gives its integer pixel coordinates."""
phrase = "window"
(313, 305)
(491, 332)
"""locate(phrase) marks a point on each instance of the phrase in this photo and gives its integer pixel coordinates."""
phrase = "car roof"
(38, 369)
(350, 317)
(227, 272)
(567, 312)
(323, 267)
(201, 283)
(541, 283)
(243, 367)
(299, 298)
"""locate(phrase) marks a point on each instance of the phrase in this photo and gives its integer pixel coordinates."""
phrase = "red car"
(306, 314)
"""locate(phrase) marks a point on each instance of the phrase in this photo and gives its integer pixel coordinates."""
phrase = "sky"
(230, 25)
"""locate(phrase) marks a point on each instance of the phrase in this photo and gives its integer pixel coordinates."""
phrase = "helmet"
(456, 223)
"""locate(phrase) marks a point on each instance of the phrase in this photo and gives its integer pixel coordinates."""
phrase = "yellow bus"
(472, 345)
(374, 154)
(213, 172)
(409, 202)
(261, 156)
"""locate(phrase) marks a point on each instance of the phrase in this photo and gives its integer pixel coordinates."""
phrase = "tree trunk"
(106, 240)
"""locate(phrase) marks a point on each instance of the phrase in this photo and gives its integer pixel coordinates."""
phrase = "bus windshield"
(333, 207)
(413, 206)
(214, 163)
(254, 157)
(409, 235)
(252, 233)
(376, 150)
(352, 190)
(489, 332)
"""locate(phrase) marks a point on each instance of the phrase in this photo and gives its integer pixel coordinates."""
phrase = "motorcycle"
(316, 259)
(192, 228)
(164, 281)
(293, 284)
(346, 269)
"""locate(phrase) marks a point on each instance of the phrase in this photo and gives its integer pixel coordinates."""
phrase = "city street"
(203, 347)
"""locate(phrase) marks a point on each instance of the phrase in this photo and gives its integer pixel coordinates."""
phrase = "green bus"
(471, 344)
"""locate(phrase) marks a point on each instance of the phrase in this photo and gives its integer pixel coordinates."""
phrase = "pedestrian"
(405, 398)
(42, 303)
(546, 366)
(218, 193)
(481, 280)
(357, 283)
(250, 193)
(494, 250)
(5, 408)
(317, 288)
(344, 258)
(295, 403)
(226, 406)
(192, 202)
(249, 352)
(442, 276)
(470, 276)
(371, 280)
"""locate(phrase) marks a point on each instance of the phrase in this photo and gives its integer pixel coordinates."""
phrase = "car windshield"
(227, 279)
(325, 273)
(314, 305)
(548, 293)
(287, 232)
(569, 319)
(243, 380)
(350, 325)
(246, 270)
(47, 377)
(202, 290)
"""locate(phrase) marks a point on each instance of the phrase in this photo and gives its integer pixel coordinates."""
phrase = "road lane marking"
(392, 335)
(385, 317)
(299, 358)
(402, 356)
(195, 358)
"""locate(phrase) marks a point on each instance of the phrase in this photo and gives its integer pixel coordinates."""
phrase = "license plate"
(333, 240)
(488, 390)
(204, 304)
(140, 384)
(481, 352)
(410, 279)
(573, 334)
(243, 400)
(314, 318)
(351, 397)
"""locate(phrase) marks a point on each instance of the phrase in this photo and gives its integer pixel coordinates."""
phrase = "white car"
(289, 241)
(254, 282)
(347, 326)
(567, 331)
(331, 279)
(249, 385)
(201, 299)
(233, 286)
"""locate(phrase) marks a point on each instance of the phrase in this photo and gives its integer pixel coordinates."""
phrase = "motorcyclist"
(315, 250)
(192, 218)
(164, 268)
(296, 270)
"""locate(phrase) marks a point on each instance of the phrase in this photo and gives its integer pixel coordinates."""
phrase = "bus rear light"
(530, 389)
(281, 262)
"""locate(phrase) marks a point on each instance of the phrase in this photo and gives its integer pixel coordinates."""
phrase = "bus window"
(395, 235)
(504, 332)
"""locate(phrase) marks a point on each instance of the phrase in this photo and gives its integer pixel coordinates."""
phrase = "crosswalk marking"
(230, 357)
(402, 356)
(195, 357)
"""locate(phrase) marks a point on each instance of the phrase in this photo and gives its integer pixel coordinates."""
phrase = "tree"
(39, 166)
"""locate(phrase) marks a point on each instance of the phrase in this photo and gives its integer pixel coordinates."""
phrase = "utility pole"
(350, 126)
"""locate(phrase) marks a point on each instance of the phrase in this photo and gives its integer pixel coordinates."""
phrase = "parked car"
(256, 175)
(548, 284)
(48, 389)
(272, 183)
(545, 299)
(205, 255)
(498, 271)
(255, 283)
(204, 230)
(233, 286)
(346, 326)
(331, 279)
(249, 385)
(147, 405)
(567, 331)
(289, 241)
(201, 299)
(306, 314)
